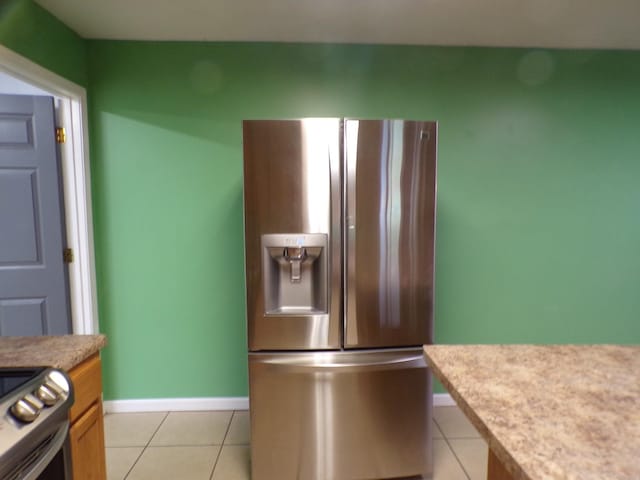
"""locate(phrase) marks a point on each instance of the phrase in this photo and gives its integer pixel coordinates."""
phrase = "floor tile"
(445, 465)
(173, 463)
(472, 453)
(131, 429)
(192, 428)
(120, 460)
(453, 423)
(233, 463)
(239, 430)
(186, 446)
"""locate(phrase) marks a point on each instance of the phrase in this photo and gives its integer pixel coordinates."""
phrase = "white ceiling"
(613, 24)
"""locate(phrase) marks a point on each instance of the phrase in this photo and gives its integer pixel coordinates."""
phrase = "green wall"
(538, 226)
(538, 198)
(31, 31)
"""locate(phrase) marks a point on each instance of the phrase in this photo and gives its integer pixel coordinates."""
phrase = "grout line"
(156, 430)
(215, 464)
(464, 470)
(145, 447)
(186, 445)
(455, 455)
(134, 463)
(475, 435)
(233, 414)
(433, 420)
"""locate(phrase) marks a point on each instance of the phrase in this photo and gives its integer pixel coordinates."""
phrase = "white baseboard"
(208, 403)
(176, 404)
(443, 400)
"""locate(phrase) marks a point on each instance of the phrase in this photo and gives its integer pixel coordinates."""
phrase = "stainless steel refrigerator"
(339, 244)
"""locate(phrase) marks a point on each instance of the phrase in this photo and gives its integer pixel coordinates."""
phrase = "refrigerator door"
(292, 233)
(390, 172)
(340, 415)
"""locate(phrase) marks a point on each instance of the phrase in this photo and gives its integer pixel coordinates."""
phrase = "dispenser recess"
(295, 273)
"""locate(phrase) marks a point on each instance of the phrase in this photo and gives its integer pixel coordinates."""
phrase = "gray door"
(390, 205)
(33, 279)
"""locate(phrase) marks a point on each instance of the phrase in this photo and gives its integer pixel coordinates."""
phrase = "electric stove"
(34, 425)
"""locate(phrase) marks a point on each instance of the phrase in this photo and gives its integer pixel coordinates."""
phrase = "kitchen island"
(79, 356)
(549, 412)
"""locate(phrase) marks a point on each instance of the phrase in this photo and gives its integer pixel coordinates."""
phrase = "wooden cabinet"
(86, 434)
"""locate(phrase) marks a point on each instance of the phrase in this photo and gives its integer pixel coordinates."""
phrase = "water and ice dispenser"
(295, 270)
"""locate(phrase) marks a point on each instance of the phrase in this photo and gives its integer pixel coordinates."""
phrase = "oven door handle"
(54, 447)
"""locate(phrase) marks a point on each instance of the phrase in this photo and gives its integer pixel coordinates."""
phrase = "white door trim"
(71, 103)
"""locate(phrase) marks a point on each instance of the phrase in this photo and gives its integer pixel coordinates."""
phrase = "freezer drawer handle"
(296, 363)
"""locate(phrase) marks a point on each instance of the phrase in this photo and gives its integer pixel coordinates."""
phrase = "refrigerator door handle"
(351, 155)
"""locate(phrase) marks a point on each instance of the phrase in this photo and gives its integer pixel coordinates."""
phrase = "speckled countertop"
(64, 351)
(550, 412)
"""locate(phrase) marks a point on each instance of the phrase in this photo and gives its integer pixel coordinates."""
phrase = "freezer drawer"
(340, 415)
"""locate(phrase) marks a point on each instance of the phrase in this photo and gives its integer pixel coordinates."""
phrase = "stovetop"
(12, 378)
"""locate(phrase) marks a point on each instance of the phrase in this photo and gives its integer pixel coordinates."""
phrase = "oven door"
(47, 459)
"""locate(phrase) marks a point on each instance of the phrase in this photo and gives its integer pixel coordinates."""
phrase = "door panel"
(23, 316)
(16, 129)
(33, 279)
(292, 233)
(340, 415)
(390, 228)
(18, 217)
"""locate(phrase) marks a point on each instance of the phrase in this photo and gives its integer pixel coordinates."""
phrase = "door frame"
(71, 112)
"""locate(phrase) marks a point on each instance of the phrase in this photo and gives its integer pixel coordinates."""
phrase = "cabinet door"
(87, 386)
(86, 437)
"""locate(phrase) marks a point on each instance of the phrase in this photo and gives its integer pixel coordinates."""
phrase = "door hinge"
(61, 135)
(67, 255)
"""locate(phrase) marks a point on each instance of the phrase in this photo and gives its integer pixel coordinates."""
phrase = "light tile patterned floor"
(215, 446)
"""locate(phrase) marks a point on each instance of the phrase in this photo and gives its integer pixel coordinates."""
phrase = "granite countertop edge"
(590, 404)
(498, 449)
(58, 351)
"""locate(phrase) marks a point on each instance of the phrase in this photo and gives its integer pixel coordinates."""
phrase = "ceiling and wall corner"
(31, 31)
(570, 24)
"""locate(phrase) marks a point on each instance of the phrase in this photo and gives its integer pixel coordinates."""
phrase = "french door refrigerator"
(339, 244)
